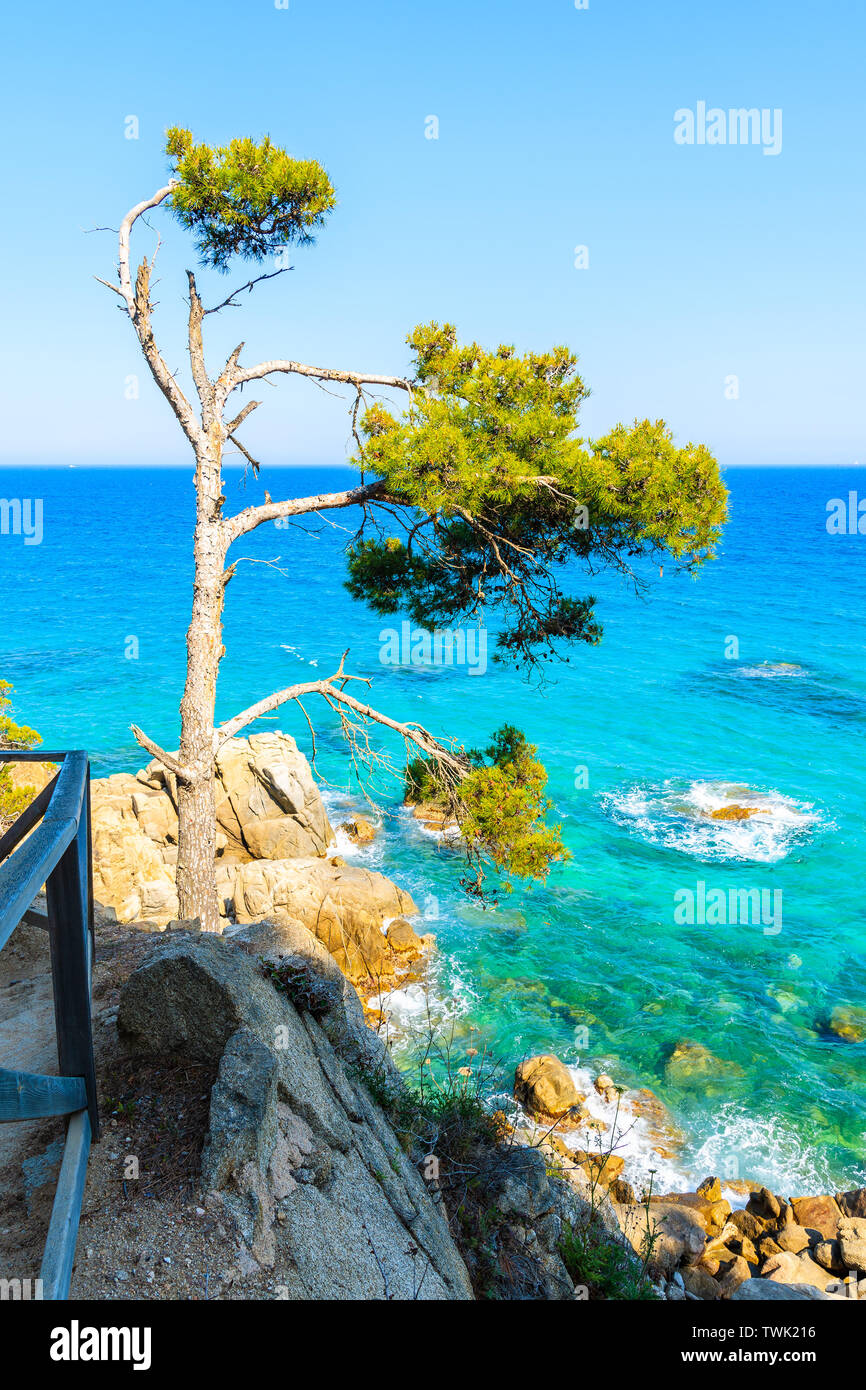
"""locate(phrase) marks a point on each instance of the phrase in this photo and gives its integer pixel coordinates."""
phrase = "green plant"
(248, 198)
(302, 984)
(13, 800)
(607, 1268)
(500, 807)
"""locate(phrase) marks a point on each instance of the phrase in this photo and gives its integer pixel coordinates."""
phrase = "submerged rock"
(849, 1023)
(692, 1064)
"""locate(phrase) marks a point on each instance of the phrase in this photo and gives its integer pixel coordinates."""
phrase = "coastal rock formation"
(272, 841)
(347, 908)
(267, 803)
(132, 873)
(806, 1242)
(298, 1161)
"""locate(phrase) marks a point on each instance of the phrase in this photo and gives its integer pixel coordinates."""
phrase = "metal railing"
(57, 854)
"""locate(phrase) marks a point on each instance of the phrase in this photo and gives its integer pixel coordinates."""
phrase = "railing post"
(69, 912)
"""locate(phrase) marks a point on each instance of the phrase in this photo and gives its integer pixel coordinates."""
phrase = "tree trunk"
(196, 844)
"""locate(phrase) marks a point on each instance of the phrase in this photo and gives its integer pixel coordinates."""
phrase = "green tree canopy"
(496, 496)
(246, 198)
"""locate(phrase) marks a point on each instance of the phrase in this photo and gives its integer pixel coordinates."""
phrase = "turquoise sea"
(642, 736)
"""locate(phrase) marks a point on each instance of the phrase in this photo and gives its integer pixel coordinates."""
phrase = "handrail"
(23, 874)
(58, 855)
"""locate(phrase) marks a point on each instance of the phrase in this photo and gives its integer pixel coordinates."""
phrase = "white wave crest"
(679, 816)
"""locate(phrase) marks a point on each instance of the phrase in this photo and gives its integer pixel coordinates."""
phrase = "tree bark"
(196, 808)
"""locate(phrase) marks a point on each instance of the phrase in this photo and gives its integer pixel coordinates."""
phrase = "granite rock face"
(299, 1159)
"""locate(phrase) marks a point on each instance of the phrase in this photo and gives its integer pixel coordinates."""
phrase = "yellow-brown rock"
(345, 906)
(544, 1087)
(359, 830)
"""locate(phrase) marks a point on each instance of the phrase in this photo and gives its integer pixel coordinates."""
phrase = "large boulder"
(267, 803)
(852, 1203)
(754, 1290)
(821, 1214)
(713, 1211)
(268, 807)
(346, 907)
(544, 1087)
(790, 1268)
(266, 799)
(299, 1160)
(852, 1242)
(672, 1233)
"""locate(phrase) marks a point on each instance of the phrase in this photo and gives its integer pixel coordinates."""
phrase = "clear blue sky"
(556, 129)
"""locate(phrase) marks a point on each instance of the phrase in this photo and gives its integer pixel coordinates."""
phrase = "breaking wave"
(679, 816)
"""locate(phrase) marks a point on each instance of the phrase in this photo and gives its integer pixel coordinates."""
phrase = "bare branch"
(228, 302)
(332, 690)
(123, 240)
(196, 348)
(240, 417)
(184, 773)
(139, 309)
(356, 379)
(254, 463)
(252, 517)
(108, 285)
